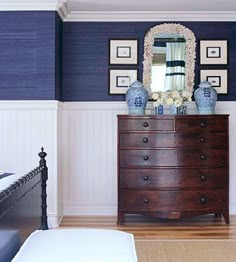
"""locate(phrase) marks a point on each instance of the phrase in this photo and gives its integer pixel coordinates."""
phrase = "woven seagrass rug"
(186, 250)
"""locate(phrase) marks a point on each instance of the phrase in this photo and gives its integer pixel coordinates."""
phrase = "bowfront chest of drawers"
(173, 166)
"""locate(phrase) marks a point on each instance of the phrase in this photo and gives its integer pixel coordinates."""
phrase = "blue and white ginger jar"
(205, 97)
(136, 98)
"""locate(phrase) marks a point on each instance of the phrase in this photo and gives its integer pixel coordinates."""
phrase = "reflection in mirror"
(169, 58)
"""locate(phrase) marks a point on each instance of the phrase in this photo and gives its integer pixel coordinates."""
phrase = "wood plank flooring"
(202, 227)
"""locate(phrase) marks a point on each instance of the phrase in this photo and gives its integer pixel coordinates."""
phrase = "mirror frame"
(170, 28)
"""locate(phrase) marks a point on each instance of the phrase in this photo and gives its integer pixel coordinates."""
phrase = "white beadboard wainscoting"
(90, 155)
(26, 126)
(81, 141)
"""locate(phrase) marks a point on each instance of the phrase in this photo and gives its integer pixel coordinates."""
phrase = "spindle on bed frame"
(23, 205)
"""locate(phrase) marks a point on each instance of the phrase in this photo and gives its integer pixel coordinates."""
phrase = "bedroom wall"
(30, 51)
(90, 122)
(85, 55)
(79, 134)
(30, 87)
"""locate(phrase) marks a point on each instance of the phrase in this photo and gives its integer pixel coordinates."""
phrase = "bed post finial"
(42, 163)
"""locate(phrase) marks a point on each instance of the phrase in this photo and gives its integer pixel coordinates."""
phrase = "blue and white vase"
(136, 98)
(173, 110)
(205, 97)
(182, 110)
(159, 110)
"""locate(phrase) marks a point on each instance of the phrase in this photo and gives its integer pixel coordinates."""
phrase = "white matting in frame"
(213, 52)
(123, 52)
(217, 78)
(120, 80)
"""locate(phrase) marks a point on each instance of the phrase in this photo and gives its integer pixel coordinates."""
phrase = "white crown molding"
(69, 15)
(31, 5)
(95, 16)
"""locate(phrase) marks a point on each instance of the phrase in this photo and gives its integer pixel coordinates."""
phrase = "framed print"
(213, 52)
(123, 52)
(120, 80)
(217, 78)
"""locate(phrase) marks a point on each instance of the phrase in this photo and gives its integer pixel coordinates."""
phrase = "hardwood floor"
(203, 227)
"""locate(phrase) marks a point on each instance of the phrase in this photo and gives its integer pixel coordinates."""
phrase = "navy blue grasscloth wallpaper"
(43, 58)
(30, 66)
(85, 55)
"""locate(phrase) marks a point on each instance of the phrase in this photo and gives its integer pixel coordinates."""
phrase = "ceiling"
(151, 5)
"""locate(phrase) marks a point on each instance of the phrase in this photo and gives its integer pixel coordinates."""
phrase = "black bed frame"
(23, 205)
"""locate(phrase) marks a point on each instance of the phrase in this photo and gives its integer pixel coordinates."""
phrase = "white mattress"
(78, 245)
(7, 181)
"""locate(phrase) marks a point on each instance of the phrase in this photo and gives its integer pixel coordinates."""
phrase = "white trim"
(68, 15)
(54, 220)
(232, 210)
(95, 105)
(30, 104)
(90, 210)
(103, 16)
(27, 5)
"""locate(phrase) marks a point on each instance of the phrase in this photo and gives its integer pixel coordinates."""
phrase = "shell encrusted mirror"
(169, 58)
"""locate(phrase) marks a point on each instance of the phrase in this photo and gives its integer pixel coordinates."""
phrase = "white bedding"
(78, 245)
(7, 181)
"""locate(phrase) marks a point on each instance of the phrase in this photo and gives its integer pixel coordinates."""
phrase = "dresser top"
(152, 116)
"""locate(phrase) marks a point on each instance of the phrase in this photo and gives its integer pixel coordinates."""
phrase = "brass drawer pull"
(203, 157)
(146, 178)
(203, 200)
(145, 140)
(145, 201)
(145, 124)
(145, 158)
(203, 123)
(203, 178)
(202, 139)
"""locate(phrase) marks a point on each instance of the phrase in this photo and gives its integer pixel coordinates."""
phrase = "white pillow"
(79, 245)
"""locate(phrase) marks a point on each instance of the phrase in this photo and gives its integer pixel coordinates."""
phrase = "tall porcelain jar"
(205, 97)
(136, 98)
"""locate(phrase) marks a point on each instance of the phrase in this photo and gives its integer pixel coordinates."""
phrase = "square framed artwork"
(213, 52)
(123, 51)
(217, 78)
(121, 79)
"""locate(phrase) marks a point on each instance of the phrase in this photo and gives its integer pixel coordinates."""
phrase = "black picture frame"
(218, 79)
(120, 80)
(123, 51)
(213, 52)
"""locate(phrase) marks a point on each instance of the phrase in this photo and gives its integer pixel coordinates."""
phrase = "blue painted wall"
(30, 56)
(43, 58)
(85, 55)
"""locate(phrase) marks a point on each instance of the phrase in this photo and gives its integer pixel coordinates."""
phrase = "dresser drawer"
(173, 158)
(172, 178)
(183, 140)
(151, 201)
(199, 124)
(146, 124)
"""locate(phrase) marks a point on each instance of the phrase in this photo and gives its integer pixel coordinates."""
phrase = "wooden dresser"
(173, 166)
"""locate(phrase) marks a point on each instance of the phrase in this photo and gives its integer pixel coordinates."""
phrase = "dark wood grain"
(176, 170)
(170, 140)
(154, 178)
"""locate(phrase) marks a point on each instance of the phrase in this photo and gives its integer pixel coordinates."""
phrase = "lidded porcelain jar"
(136, 98)
(205, 97)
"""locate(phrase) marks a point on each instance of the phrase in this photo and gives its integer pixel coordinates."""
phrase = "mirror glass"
(169, 58)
